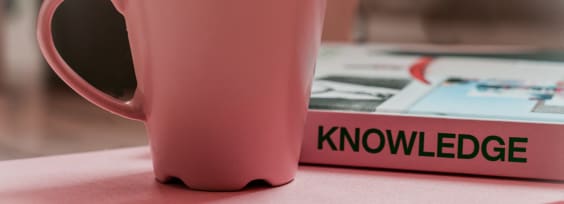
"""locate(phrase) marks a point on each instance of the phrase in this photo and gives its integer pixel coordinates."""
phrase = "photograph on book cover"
(498, 99)
(349, 93)
(371, 80)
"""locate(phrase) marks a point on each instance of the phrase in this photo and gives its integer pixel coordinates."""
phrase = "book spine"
(491, 148)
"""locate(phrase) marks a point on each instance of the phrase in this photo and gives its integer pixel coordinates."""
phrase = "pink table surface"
(125, 176)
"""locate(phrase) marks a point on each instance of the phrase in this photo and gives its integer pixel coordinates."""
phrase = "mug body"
(225, 86)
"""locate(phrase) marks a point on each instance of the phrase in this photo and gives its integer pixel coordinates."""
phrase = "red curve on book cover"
(418, 69)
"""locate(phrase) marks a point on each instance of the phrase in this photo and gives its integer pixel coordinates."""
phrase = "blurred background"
(39, 115)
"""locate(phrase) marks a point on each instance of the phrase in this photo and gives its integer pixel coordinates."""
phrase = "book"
(464, 115)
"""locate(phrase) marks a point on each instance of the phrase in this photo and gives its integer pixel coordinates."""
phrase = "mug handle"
(129, 109)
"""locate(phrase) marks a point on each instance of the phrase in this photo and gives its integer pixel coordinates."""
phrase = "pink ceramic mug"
(223, 85)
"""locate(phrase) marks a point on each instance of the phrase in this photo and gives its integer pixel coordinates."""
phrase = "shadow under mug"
(223, 85)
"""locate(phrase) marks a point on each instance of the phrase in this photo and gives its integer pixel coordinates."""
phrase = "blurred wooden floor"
(60, 123)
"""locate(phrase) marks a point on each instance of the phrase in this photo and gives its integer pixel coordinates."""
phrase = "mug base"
(224, 186)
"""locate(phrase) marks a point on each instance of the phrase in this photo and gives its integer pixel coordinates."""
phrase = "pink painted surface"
(544, 149)
(223, 86)
(125, 176)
